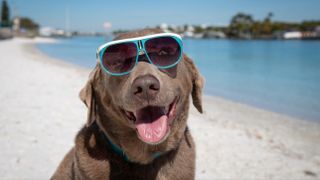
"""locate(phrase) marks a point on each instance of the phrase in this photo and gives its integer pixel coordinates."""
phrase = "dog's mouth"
(152, 122)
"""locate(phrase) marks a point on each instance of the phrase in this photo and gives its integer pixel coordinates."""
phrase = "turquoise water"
(281, 76)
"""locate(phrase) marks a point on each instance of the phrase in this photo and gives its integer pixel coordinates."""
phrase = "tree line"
(244, 26)
(6, 21)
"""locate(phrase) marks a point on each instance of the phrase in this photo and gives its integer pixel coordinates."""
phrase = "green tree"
(5, 14)
(267, 25)
(240, 26)
(185, 27)
(28, 24)
(309, 25)
(256, 29)
(198, 29)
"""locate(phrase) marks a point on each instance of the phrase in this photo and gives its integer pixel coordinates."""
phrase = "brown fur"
(105, 95)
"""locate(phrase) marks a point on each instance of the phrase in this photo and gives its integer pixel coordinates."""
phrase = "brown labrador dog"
(111, 146)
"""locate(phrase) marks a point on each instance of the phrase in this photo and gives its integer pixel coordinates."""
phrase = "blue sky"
(89, 15)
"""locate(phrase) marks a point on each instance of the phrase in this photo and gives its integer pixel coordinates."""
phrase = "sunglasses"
(119, 57)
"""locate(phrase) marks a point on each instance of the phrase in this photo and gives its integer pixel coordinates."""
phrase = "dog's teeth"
(148, 135)
(158, 132)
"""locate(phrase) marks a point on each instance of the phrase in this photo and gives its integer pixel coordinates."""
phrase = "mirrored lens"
(120, 58)
(163, 51)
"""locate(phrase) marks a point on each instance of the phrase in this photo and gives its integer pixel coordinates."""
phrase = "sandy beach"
(40, 114)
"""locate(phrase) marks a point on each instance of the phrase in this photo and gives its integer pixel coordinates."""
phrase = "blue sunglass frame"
(140, 45)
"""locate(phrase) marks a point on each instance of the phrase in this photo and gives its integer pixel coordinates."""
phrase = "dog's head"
(144, 112)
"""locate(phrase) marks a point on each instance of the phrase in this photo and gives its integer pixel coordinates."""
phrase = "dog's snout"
(145, 87)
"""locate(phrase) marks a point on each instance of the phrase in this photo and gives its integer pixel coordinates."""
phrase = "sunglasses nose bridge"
(142, 56)
(140, 45)
(141, 52)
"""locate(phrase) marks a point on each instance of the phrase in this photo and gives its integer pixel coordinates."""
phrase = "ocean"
(280, 76)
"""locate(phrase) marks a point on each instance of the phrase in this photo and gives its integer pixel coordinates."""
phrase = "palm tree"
(267, 24)
(269, 16)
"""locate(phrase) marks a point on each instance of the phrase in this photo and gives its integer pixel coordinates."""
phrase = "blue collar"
(120, 152)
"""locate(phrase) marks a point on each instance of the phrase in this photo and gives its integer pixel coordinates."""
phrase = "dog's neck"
(117, 149)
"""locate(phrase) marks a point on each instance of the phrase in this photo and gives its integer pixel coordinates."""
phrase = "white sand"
(40, 113)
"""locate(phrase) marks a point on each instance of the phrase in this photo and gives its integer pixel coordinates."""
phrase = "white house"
(292, 35)
(46, 31)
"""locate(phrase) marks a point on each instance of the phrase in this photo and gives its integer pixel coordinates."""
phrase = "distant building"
(5, 33)
(164, 26)
(278, 34)
(214, 34)
(203, 26)
(190, 28)
(188, 34)
(16, 25)
(198, 35)
(292, 35)
(312, 35)
(317, 31)
(308, 34)
(52, 32)
(46, 31)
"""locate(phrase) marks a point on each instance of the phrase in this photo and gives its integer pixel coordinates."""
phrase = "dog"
(109, 145)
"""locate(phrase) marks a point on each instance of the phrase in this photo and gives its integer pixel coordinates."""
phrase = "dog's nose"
(145, 87)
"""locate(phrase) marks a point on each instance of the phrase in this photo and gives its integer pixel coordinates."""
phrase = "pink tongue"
(152, 124)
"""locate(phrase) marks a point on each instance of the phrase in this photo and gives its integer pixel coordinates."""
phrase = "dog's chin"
(152, 123)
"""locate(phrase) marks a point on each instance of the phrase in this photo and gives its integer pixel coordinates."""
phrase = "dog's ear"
(197, 84)
(88, 98)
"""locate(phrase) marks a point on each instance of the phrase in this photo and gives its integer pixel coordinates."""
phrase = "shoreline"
(31, 48)
(234, 140)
